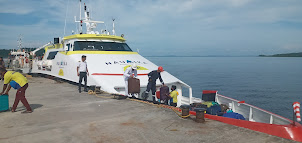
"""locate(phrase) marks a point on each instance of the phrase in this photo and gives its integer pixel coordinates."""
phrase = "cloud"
(198, 25)
(291, 48)
(238, 3)
(16, 7)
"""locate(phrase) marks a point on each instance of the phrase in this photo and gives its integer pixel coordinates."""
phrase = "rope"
(175, 109)
(180, 114)
(95, 94)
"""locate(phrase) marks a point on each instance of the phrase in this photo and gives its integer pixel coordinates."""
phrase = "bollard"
(185, 110)
(92, 87)
(200, 115)
(97, 90)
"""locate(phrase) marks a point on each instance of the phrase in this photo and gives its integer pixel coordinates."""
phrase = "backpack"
(234, 115)
(14, 85)
(214, 110)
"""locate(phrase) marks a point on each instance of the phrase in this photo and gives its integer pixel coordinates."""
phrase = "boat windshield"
(100, 46)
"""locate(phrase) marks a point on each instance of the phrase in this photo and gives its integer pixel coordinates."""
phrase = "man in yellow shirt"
(21, 87)
(173, 95)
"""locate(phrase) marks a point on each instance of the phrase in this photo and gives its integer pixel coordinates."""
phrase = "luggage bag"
(164, 93)
(134, 85)
(234, 115)
(4, 103)
(214, 110)
(224, 107)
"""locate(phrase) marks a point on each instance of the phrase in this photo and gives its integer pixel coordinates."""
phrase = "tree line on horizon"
(299, 54)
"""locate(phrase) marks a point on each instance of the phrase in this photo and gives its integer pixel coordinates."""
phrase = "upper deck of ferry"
(95, 36)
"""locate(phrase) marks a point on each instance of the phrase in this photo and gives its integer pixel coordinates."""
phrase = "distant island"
(284, 55)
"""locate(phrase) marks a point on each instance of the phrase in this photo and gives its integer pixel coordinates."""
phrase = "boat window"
(100, 46)
(68, 47)
(52, 55)
(40, 52)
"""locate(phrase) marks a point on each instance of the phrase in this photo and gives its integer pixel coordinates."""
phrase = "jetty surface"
(62, 115)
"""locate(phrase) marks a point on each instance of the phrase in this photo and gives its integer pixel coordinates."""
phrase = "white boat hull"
(105, 68)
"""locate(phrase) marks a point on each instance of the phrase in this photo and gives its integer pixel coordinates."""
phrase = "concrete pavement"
(62, 115)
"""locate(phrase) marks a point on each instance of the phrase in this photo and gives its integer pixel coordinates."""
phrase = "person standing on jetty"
(153, 76)
(82, 72)
(22, 83)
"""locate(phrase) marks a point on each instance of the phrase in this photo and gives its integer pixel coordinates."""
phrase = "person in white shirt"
(82, 72)
(127, 74)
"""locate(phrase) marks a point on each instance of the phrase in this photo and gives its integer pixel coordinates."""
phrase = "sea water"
(271, 83)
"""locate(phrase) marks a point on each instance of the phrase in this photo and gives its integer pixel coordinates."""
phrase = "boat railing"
(186, 100)
(252, 113)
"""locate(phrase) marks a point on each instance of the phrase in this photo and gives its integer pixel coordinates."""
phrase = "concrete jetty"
(62, 115)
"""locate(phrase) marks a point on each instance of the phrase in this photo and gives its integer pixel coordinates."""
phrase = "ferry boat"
(108, 55)
(18, 60)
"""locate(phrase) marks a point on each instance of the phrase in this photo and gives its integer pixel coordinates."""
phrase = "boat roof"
(54, 46)
(95, 36)
(17, 53)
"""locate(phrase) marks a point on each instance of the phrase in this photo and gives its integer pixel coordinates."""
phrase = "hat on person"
(160, 68)
(134, 66)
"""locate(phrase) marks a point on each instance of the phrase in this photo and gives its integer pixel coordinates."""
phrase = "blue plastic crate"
(4, 105)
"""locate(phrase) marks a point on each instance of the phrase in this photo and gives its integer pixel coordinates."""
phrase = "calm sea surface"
(271, 83)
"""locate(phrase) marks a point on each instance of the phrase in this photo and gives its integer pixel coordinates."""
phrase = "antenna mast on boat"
(80, 10)
(90, 24)
(81, 24)
(66, 17)
(113, 29)
(20, 42)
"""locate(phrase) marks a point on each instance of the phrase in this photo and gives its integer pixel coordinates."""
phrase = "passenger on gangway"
(129, 73)
(173, 95)
(153, 76)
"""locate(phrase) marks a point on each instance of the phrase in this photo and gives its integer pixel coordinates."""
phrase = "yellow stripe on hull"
(98, 52)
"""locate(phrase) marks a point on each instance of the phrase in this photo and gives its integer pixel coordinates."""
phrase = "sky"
(164, 27)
